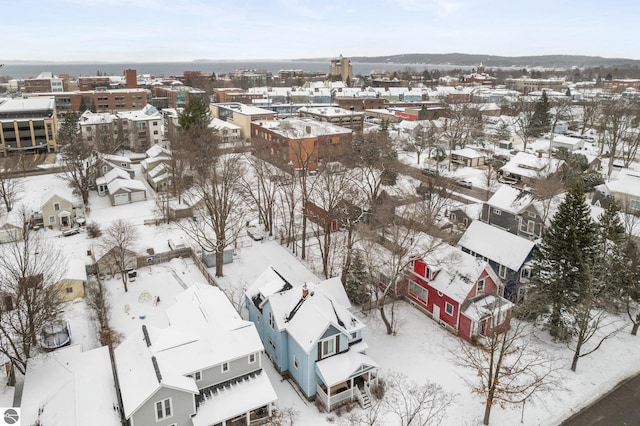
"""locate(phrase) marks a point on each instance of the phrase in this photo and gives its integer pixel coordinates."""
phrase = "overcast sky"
(184, 30)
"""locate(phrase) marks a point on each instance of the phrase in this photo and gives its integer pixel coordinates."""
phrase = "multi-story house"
(508, 254)
(457, 290)
(28, 126)
(516, 211)
(299, 144)
(525, 168)
(204, 369)
(311, 336)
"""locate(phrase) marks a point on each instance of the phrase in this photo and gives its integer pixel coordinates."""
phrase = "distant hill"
(464, 59)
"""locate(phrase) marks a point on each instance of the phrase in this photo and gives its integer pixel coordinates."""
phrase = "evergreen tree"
(357, 281)
(611, 239)
(541, 120)
(562, 262)
(196, 114)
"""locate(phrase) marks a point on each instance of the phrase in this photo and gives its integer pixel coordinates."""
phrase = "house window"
(56, 206)
(163, 409)
(448, 308)
(271, 321)
(634, 204)
(197, 376)
(531, 226)
(417, 291)
(353, 336)
(225, 367)
(502, 271)
(69, 290)
(480, 286)
(295, 362)
(273, 345)
(252, 358)
(427, 273)
(531, 214)
(497, 212)
(525, 273)
(52, 220)
(328, 347)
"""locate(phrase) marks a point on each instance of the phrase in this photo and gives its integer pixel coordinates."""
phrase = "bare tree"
(590, 114)
(386, 253)
(76, 155)
(524, 120)
(97, 299)
(10, 183)
(262, 189)
(510, 368)
(117, 243)
(221, 218)
(415, 404)
(29, 272)
(617, 125)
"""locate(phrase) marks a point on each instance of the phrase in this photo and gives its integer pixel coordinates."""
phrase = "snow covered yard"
(424, 351)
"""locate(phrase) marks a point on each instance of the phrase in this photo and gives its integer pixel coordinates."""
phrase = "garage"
(119, 199)
(138, 196)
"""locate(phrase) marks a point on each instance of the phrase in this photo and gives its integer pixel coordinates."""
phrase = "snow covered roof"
(61, 190)
(467, 153)
(496, 244)
(305, 318)
(532, 166)
(141, 375)
(113, 174)
(36, 103)
(456, 271)
(76, 270)
(628, 182)
(216, 123)
(337, 368)
(128, 185)
(297, 128)
(70, 387)
(510, 199)
(156, 150)
(486, 306)
(253, 392)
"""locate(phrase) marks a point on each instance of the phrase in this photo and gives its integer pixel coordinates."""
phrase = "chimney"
(305, 291)
(539, 154)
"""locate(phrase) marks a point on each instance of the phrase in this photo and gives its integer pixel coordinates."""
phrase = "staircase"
(364, 398)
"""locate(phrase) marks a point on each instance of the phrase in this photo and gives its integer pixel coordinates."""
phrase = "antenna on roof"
(155, 367)
(146, 335)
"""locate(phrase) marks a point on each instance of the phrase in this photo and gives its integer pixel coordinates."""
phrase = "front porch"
(356, 388)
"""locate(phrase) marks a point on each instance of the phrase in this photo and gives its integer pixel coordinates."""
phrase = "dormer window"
(480, 286)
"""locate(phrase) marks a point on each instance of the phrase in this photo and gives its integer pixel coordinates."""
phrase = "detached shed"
(10, 233)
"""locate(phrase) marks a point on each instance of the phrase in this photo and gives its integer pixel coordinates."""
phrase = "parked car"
(175, 246)
(465, 183)
(255, 232)
(430, 170)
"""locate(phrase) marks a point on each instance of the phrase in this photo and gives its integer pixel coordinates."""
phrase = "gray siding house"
(204, 369)
(516, 211)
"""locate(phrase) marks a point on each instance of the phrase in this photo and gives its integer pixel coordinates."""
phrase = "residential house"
(156, 168)
(526, 168)
(74, 280)
(463, 215)
(515, 211)
(102, 182)
(70, 387)
(57, 207)
(111, 161)
(204, 369)
(625, 190)
(508, 254)
(459, 291)
(467, 157)
(311, 336)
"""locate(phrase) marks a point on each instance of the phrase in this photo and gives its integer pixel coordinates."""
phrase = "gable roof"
(70, 387)
(335, 369)
(306, 318)
(505, 248)
(62, 191)
(510, 199)
(126, 185)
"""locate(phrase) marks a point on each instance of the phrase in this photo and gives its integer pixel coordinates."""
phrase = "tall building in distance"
(341, 67)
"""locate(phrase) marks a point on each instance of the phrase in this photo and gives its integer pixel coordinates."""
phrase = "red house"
(458, 291)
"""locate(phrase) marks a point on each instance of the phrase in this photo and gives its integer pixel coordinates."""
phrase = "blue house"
(311, 336)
